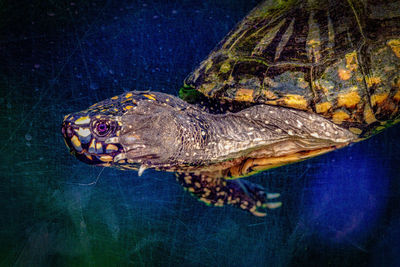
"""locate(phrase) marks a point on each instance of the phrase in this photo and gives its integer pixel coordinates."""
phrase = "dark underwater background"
(58, 57)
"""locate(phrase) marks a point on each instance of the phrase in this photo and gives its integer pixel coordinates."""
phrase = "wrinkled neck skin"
(181, 138)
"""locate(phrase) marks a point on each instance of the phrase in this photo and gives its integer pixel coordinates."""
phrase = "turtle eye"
(102, 128)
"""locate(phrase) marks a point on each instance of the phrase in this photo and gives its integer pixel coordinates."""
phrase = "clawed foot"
(239, 193)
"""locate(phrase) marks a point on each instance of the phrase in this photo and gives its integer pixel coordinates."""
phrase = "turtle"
(292, 80)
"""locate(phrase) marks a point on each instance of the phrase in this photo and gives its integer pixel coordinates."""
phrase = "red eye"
(102, 128)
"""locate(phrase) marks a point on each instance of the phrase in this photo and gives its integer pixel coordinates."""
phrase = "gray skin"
(205, 149)
(158, 134)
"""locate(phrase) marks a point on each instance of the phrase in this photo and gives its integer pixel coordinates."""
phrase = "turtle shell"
(340, 59)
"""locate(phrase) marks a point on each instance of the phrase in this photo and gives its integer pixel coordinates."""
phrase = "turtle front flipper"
(219, 191)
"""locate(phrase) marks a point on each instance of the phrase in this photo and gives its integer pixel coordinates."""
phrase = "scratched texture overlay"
(57, 57)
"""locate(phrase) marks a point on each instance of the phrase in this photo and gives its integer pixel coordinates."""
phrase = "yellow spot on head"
(128, 95)
(152, 97)
(349, 100)
(128, 107)
(82, 120)
(340, 116)
(295, 101)
(106, 158)
(244, 95)
(98, 145)
(76, 143)
(114, 97)
(111, 147)
(323, 107)
(83, 132)
(395, 45)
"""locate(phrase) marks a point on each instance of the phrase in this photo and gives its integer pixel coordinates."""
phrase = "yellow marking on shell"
(349, 100)
(284, 40)
(269, 94)
(83, 132)
(323, 107)
(244, 95)
(313, 44)
(295, 101)
(396, 97)
(380, 128)
(267, 39)
(351, 61)
(66, 116)
(89, 156)
(395, 45)
(121, 161)
(106, 158)
(112, 147)
(92, 145)
(128, 107)
(372, 81)
(76, 143)
(128, 95)
(115, 109)
(83, 120)
(355, 130)
(98, 145)
(225, 67)
(378, 98)
(150, 96)
(369, 116)
(340, 116)
(344, 74)
(114, 97)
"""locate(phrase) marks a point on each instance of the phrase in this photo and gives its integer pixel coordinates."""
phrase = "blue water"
(57, 57)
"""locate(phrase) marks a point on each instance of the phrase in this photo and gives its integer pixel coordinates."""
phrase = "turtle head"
(126, 131)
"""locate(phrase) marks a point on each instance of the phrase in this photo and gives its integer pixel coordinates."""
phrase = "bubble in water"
(28, 137)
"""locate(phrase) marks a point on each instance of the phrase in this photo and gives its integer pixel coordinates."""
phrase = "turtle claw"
(238, 193)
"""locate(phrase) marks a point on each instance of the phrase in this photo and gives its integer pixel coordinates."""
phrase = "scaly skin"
(163, 132)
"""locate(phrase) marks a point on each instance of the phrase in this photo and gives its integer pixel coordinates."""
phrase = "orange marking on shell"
(344, 74)
(244, 95)
(355, 130)
(378, 99)
(323, 107)
(369, 116)
(351, 61)
(114, 97)
(128, 95)
(295, 101)
(373, 81)
(395, 45)
(89, 157)
(349, 100)
(396, 97)
(340, 116)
